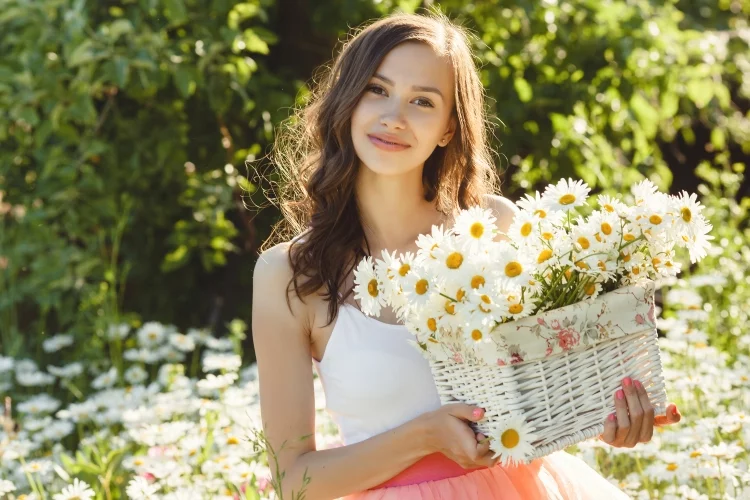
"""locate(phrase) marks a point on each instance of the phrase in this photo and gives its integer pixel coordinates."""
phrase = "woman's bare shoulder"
(503, 209)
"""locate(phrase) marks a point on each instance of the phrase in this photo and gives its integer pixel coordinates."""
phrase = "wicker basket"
(560, 368)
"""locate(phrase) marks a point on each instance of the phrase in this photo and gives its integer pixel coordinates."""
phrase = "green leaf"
(700, 92)
(523, 89)
(670, 103)
(253, 42)
(175, 11)
(84, 53)
(184, 80)
(718, 138)
(121, 71)
(647, 116)
(119, 28)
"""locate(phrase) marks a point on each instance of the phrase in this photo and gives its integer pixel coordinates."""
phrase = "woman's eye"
(426, 102)
(375, 89)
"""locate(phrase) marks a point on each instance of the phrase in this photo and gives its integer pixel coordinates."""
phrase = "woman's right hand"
(449, 433)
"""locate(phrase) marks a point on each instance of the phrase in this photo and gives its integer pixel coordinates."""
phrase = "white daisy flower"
(643, 191)
(182, 342)
(369, 289)
(68, 371)
(524, 229)
(565, 195)
(135, 375)
(427, 243)
(512, 266)
(38, 404)
(151, 334)
(106, 379)
(79, 490)
(611, 205)
(6, 363)
(222, 344)
(119, 331)
(57, 342)
(511, 440)
(140, 489)
(697, 243)
(536, 206)
(217, 361)
(34, 379)
(6, 487)
(475, 228)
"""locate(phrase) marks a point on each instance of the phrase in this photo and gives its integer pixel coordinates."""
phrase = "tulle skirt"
(558, 476)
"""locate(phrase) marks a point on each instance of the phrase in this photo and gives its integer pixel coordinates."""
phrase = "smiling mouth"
(387, 145)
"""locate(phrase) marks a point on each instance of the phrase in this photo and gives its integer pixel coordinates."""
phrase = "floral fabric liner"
(574, 327)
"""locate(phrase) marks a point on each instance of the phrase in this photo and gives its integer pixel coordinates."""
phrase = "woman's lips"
(386, 146)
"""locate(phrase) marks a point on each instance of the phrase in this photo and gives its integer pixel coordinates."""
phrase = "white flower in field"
(34, 424)
(514, 307)
(199, 335)
(214, 383)
(511, 440)
(428, 243)
(723, 450)
(242, 473)
(476, 331)
(181, 342)
(565, 195)
(698, 242)
(105, 380)
(38, 405)
(369, 289)
(57, 430)
(216, 361)
(57, 342)
(136, 463)
(68, 371)
(140, 489)
(34, 379)
(222, 344)
(669, 466)
(78, 412)
(607, 227)
(79, 490)
(612, 206)
(151, 334)
(475, 228)
(6, 487)
(40, 466)
(143, 355)
(26, 366)
(536, 206)
(417, 288)
(643, 191)
(118, 331)
(135, 374)
(6, 363)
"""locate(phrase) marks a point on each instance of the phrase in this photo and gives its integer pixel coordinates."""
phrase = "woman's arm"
(282, 347)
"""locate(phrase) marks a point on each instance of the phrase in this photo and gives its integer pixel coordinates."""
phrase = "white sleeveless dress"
(374, 381)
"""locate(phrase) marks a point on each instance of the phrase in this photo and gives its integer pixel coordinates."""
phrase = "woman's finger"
(647, 426)
(610, 429)
(673, 416)
(623, 420)
(635, 412)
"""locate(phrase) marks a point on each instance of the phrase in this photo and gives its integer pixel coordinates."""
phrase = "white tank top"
(373, 379)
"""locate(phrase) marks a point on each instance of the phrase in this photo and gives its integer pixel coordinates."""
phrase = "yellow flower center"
(477, 230)
(460, 294)
(477, 281)
(695, 454)
(526, 229)
(567, 199)
(544, 255)
(372, 288)
(687, 215)
(450, 307)
(606, 228)
(510, 438)
(540, 213)
(432, 324)
(628, 237)
(404, 269)
(625, 257)
(656, 261)
(590, 289)
(547, 236)
(454, 260)
(636, 271)
(602, 265)
(476, 335)
(584, 242)
(568, 273)
(421, 286)
(672, 466)
(515, 308)
(582, 265)
(233, 440)
(598, 237)
(655, 220)
(609, 208)
(513, 269)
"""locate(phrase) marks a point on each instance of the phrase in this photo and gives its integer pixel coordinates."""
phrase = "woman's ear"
(450, 131)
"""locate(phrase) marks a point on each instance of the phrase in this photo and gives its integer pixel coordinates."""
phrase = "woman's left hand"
(634, 418)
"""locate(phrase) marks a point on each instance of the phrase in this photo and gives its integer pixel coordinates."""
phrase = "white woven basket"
(560, 368)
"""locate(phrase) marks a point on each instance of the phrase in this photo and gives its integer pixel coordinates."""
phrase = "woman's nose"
(393, 118)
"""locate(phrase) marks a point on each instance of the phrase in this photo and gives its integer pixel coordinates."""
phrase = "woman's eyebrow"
(418, 88)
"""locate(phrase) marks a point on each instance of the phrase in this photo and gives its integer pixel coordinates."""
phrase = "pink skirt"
(558, 476)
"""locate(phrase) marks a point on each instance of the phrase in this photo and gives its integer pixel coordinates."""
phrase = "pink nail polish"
(477, 413)
(611, 417)
(626, 382)
(620, 394)
(637, 384)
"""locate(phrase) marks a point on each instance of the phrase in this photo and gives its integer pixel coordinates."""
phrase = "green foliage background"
(126, 127)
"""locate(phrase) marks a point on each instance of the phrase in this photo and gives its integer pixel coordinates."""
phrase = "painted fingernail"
(638, 384)
(477, 412)
(611, 417)
(626, 382)
(620, 394)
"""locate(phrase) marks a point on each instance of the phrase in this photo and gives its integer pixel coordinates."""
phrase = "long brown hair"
(318, 165)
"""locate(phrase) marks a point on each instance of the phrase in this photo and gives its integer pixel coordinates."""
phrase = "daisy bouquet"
(538, 323)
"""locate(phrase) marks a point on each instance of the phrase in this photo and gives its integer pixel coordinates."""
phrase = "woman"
(393, 142)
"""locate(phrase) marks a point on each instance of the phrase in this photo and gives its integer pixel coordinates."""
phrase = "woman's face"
(405, 111)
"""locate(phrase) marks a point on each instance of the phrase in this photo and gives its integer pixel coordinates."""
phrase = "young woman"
(393, 143)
